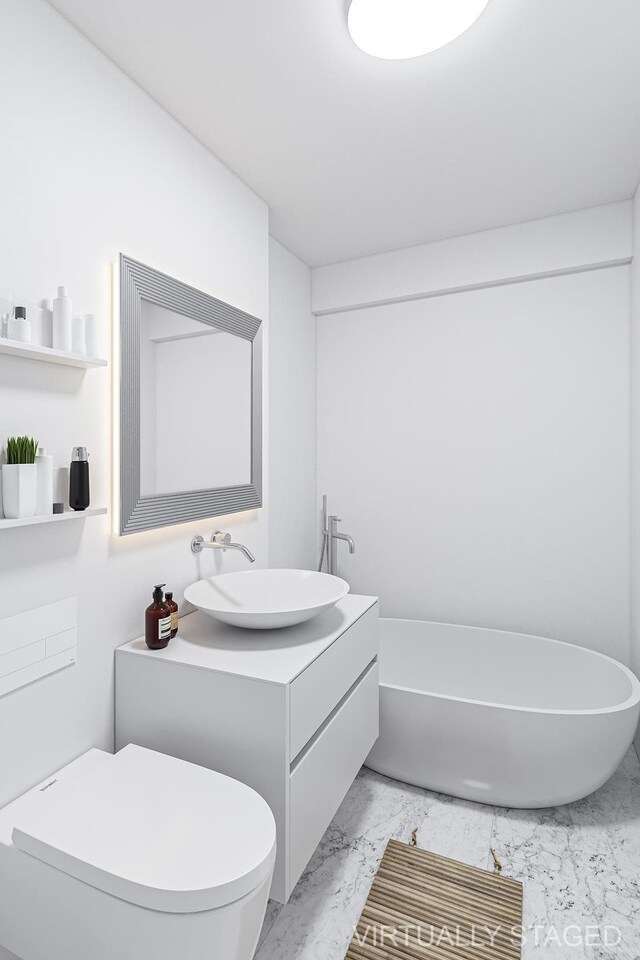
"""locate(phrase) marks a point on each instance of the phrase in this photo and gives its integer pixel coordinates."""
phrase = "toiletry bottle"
(78, 341)
(44, 483)
(62, 337)
(173, 607)
(91, 334)
(19, 327)
(79, 498)
(6, 311)
(157, 621)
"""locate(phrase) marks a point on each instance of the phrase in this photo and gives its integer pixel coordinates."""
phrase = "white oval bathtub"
(501, 718)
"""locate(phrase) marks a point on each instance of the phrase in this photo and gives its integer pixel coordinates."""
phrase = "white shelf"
(54, 517)
(32, 351)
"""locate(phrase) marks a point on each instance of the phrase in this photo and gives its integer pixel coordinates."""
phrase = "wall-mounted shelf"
(32, 351)
(54, 517)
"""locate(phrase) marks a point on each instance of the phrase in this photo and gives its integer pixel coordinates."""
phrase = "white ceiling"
(534, 111)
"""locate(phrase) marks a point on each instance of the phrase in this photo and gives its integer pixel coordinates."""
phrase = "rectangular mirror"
(190, 403)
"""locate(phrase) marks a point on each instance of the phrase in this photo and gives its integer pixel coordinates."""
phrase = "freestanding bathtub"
(501, 718)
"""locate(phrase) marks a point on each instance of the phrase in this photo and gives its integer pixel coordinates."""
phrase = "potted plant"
(19, 478)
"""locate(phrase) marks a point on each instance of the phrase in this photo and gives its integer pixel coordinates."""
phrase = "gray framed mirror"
(190, 402)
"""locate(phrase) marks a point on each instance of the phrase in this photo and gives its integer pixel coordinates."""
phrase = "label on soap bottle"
(164, 628)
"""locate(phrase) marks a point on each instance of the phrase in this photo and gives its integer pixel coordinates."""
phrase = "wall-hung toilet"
(135, 855)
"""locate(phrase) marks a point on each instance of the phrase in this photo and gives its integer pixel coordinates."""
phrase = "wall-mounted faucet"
(330, 537)
(220, 541)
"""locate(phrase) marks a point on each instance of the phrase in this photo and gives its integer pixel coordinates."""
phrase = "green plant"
(21, 450)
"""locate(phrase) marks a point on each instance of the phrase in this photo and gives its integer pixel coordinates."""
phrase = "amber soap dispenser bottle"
(173, 609)
(157, 621)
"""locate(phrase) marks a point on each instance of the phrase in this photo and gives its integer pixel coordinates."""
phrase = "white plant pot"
(19, 485)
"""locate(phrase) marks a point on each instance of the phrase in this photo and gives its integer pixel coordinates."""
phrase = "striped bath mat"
(422, 906)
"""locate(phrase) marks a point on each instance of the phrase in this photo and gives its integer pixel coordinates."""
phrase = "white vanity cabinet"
(291, 712)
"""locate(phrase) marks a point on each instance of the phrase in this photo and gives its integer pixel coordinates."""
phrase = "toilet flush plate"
(36, 643)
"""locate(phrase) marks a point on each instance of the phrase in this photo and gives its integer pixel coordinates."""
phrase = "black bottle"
(79, 479)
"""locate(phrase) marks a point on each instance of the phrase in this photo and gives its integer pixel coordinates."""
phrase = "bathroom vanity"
(292, 712)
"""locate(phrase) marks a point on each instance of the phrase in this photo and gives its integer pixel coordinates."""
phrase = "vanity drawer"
(323, 774)
(315, 693)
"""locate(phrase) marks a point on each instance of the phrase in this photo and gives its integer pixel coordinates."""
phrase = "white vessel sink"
(264, 599)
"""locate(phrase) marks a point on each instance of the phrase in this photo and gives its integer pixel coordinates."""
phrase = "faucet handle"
(196, 545)
(219, 537)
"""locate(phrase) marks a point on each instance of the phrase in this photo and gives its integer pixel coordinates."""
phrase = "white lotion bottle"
(44, 483)
(78, 342)
(91, 334)
(62, 325)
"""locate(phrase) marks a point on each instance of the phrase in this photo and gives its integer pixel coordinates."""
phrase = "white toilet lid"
(155, 831)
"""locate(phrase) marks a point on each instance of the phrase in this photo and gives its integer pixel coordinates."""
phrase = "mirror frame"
(138, 282)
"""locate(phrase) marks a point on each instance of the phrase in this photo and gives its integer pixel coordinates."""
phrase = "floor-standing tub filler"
(501, 718)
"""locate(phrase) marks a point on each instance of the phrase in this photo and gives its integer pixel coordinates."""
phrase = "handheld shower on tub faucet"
(330, 537)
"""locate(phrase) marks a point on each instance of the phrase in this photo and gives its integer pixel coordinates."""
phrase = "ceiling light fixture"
(400, 29)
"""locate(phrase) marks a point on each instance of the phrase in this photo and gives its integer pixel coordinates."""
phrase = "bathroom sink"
(264, 599)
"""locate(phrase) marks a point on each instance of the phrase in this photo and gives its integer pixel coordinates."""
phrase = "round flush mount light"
(400, 29)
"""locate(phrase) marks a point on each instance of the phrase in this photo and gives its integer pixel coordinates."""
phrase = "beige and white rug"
(422, 906)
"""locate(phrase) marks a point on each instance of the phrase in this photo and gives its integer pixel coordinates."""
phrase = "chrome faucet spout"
(220, 541)
(348, 539)
(240, 546)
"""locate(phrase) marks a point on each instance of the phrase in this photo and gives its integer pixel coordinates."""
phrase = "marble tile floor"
(580, 865)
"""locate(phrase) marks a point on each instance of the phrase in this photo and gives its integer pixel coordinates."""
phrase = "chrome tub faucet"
(330, 537)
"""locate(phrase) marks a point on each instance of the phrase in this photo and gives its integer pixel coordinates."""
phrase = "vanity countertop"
(273, 656)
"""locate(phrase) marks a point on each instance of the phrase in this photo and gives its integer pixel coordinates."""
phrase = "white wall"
(477, 448)
(586, 239)
(635, 448)
(292, 403)
(90, 166)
